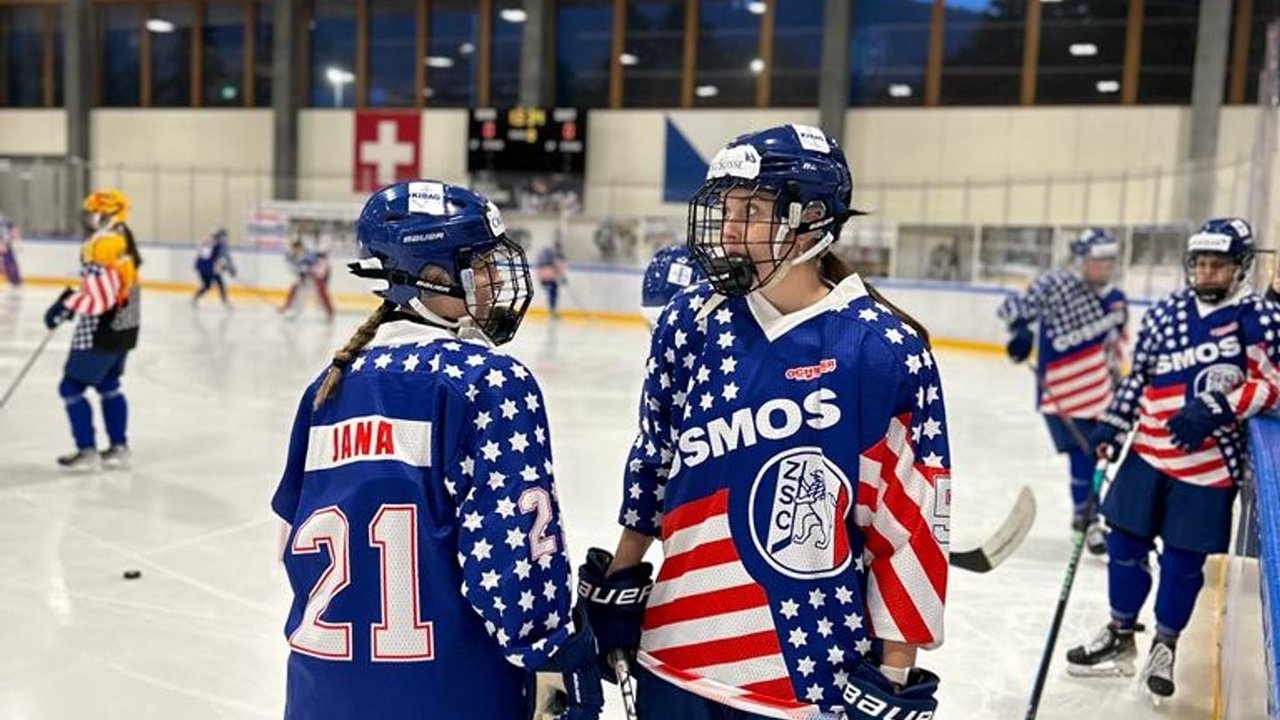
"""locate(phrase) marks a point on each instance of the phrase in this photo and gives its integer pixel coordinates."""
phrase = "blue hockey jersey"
(1080, 347)
(425, 552)
(1186, 348)
(670, 271)
(796, 469)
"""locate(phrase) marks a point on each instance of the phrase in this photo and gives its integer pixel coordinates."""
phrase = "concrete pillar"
(287, 24)
(533, 53)
(1213, 35)
(833, 83)
(77, 79)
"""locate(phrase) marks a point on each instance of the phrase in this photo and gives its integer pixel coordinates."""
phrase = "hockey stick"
(1072, 429)
(1004, 541)
(25, 368)
(1077, 548)
(626, 683)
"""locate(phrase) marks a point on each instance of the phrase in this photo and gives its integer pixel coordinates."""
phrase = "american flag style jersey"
(1186, 348)
(796, 470)
(1081, 340)
(425, 555)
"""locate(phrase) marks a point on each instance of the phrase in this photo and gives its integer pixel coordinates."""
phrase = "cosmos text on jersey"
(1204, 353)
(775, 419)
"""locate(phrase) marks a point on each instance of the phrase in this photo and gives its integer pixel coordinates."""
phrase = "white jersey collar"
(1204, 309)
(407, 332)
(775, 324)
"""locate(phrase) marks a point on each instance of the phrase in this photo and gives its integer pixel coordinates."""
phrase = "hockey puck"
(132, 574)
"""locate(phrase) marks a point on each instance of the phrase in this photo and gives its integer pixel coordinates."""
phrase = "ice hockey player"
(10, 239)
(671, 270)
(791, 456)
(1204, 362)
(426, 553)
(552, 273)
(107, 308)
(1081, 320)
(213, 260)
(309, 266)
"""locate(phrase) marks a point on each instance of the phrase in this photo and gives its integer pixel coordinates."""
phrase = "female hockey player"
(552, 273)
(792, 457)
(671, 270)
(426, 554)
(1081, 318)
(1205, 361)
(107, 306)
(308, 266)
(10, 239)
(212, 261)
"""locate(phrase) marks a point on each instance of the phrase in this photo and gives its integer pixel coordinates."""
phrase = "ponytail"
(343, 357)
(833, 270)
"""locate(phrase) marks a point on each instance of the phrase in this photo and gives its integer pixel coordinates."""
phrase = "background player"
(1081, 319)
(213, 259)
(1204, 361)
(10, 240)
(792, 456)
(420, 467)
(310, 266)
(671, 270)
(552, 273)
(107, 306)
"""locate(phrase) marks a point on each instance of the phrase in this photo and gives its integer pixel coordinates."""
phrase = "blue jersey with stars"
(796, 469)
(1081, 340)
(425, 551)
(1186, 348)
(670, 271)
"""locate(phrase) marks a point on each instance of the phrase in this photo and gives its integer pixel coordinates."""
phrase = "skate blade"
(1102, 670)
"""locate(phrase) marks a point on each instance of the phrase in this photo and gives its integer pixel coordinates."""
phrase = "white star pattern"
(728, 365)
(382, 361)
(729, 392)
(817, 598)
(495, 378)
(806, 666)
(798, 637)
(359, 363)
(410, 363)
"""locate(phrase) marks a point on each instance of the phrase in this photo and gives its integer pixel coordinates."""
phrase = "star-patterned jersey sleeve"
(1260, 391)
(672, 353)
(904, 497)
(510, 545)
(1022, 307)
(288, 492)
(1122, 413)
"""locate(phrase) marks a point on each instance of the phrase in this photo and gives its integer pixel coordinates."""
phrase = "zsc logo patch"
(800, 502)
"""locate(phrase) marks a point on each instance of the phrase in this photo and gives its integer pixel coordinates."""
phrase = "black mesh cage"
(749, 259)
(498, 289)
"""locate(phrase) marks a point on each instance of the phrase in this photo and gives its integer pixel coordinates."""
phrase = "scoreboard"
(527, 140)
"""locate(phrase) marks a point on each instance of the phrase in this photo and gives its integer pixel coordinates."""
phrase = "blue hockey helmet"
(1229, 237)
(1095, 242)
(802, 171)
(427, 236)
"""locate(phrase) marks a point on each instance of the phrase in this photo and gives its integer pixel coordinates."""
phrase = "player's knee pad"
(1128, 550)
(109, 387)
(71, 391)
(1183, 564)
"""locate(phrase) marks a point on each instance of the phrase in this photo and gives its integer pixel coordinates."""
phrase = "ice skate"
(1110, 654)
(1095, 538)
(80, 460)
(116, 457)
(1157, 673)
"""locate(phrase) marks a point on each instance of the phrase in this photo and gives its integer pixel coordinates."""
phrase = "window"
(1168, 51)
(653, 54)
(23, 55)
(121, 39)
(392, 53)
(170, 29)
(728, 53)
(55, 17)
(262, 57)
(584, 40)
(451, 52)
(1081, 53)
(1262, 14)
(1014, 256)
(982, 52)
(504, 68)
(222, 36)
(890, 50)
(797, 52)
(332, 50)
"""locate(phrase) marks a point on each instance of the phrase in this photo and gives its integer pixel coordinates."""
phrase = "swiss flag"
(386, 148)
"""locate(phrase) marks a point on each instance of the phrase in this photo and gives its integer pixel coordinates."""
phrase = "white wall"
(33, 132)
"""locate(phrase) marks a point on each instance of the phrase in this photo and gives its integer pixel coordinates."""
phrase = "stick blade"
(1006, 539)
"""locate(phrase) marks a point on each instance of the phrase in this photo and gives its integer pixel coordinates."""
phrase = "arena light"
(466, 48)
(439, 61)
(706, 91)
(157, 25)
(1083, 49)
(1108, 86)
(513, 15)
(899, 90)
(755, 7)
(757, 65)
(628, 59)
(338, 76)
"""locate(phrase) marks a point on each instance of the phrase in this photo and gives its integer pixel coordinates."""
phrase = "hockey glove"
(568, 686)
(1198, 419)
(58, 312)
(1106, 440)
(614, 605)
(869, 695)
(1019, 346)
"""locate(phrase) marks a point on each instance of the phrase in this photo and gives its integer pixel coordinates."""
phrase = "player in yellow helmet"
(106, 306)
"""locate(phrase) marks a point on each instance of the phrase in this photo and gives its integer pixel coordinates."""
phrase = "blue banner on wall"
(684, 169)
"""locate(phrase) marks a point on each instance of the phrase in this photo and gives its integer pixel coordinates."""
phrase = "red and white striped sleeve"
(1260, 390)
(904, 511)
(99, 291)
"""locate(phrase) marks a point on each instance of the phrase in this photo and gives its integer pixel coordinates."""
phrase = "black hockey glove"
(869, 695)
(58, 312)
(568, 686)
(1106, 440)
(1198, 419)
(614, 605)
(1019, 346)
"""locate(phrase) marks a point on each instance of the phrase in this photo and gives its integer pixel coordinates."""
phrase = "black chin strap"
(400, 277)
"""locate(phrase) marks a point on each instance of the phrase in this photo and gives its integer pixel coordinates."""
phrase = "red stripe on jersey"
(1160, 393)
(1247, 391)
(1090, 368)
(776, 688)
(1170, 453)
(703, 556)
(1073, 357)
(718, 652)
(908, 515)
(694, 512)
(702, 605)
(896, 597)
